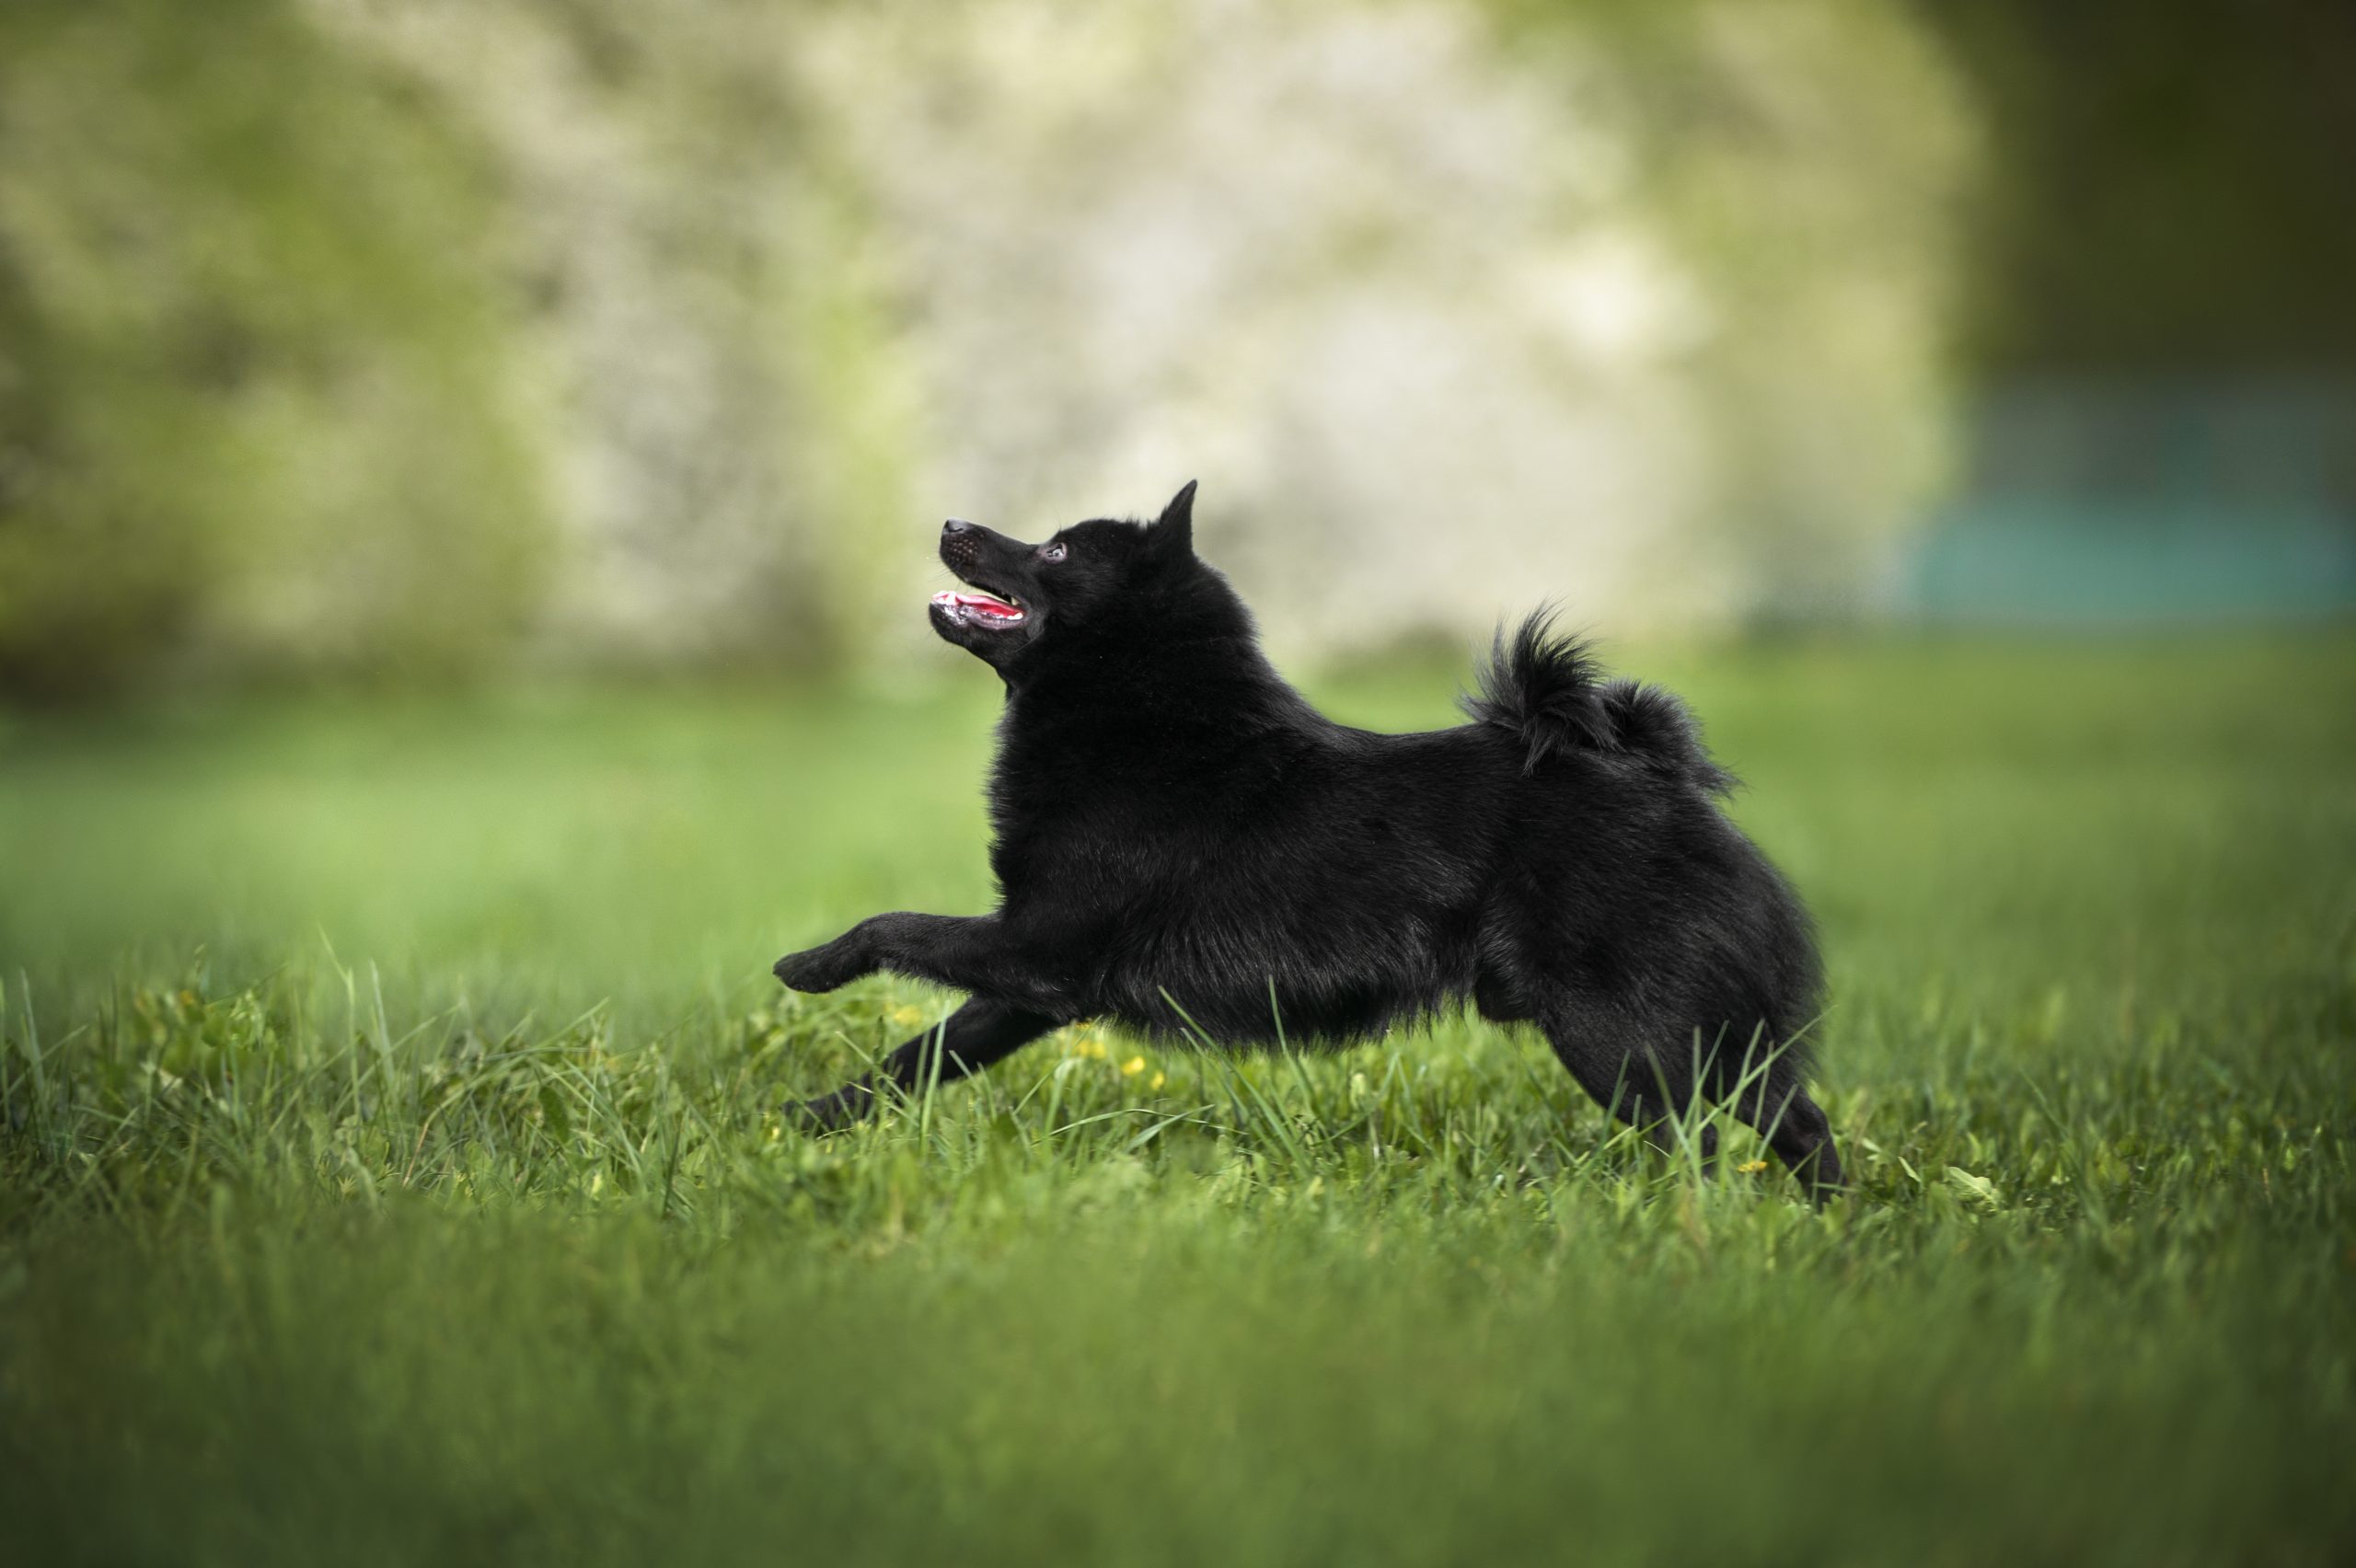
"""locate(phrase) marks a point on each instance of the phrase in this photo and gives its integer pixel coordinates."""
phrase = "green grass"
(391, 1174)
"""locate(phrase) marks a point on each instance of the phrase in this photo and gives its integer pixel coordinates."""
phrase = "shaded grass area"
(392, 1170)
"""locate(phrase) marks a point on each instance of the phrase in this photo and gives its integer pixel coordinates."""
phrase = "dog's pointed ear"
(1174, 530)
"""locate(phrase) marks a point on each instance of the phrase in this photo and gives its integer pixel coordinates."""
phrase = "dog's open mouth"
(978, 609)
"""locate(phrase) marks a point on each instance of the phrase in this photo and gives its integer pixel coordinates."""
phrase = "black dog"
(1183, 844)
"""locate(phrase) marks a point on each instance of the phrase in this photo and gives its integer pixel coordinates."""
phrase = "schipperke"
(1185, 845)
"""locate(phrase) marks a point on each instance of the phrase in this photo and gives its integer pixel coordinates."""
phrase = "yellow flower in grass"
(1133, 1067)
(907, 1017)
(1752, 1166)
(1158, 1080)
(1089, 1043)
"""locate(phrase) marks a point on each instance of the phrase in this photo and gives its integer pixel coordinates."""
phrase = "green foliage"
(439, 1209)
(353, 337)
(255, 382)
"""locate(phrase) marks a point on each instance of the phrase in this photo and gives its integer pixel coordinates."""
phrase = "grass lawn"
(389, 1169)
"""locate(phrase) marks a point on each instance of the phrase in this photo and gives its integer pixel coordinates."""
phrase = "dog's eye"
(1053, 552)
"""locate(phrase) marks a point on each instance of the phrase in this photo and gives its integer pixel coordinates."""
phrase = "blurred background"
(420, 341)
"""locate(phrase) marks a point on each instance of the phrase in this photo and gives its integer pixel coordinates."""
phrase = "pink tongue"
(984, 604)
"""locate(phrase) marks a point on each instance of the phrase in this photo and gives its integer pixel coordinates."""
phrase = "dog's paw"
(829, 1113)
(818, 969)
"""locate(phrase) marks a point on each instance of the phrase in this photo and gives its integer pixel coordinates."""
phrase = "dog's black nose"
(955, 525)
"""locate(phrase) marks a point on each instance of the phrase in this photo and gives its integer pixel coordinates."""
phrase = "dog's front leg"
(831, 965)
(980, 953)
(980, 1032)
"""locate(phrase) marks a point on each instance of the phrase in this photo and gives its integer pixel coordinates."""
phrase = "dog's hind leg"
(974, 1036)
(1646, 1089)
(1797, 1129)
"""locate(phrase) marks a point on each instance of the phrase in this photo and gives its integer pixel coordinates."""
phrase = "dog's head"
(1026, 601)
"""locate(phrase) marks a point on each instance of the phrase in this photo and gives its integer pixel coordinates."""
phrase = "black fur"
(1185, 845)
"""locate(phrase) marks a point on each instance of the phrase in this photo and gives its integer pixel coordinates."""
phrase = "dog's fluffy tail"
(1545, 686)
